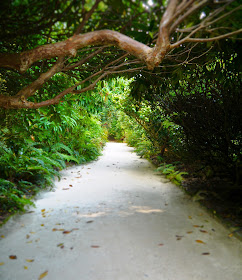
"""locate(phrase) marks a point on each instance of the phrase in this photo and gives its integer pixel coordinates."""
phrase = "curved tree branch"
(69, 47)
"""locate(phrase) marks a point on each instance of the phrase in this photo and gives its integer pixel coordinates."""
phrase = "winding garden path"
(116, 218)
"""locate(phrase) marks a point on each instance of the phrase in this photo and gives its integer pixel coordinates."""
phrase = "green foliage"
(171, 173)
(36, 144)
(11, 198)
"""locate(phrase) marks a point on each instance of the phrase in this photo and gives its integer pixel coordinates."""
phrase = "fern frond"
(60, 146)
(68, 158)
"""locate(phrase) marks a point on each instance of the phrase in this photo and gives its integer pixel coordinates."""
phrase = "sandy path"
(121, 221)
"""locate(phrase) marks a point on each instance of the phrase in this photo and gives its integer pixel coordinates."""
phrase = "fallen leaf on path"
(2, 236)
(190, 217)
(42, 225)
(66, 232)
(42, 275)
(70, 186)
(200, 241)
(65, 189)
(179, 237)
(203, 231)
(88, 222)
(32, 232)
(95, 246)
(206, 253)
(1, 263)
(29, 241)
(42, 210)
(25, 267)
(197, 226)
(60, 245)
(57, 229)
(161, 244)
(29, 260)
(78, 177)
(13, 257)
(189, 232)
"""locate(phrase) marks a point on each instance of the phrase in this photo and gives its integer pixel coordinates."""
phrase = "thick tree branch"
(69, 47)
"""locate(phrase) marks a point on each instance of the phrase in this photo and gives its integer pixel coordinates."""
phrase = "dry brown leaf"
(189, 232)
(161, 244)
(66, 232)
(190, 217)
(200, 241)
(88, 222)
(42, 210)
(179, 237)
(70, 186)
(230, 235)
(206, 253)
(13, 257)
(95, 246)
(42, 225)
(2, 236)
(203, 231)
(196, 226)
(42, 275)
(65, 189)
(27, 236)
(32, 232)
(1, 263)
(29, 260)
(57, 229)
